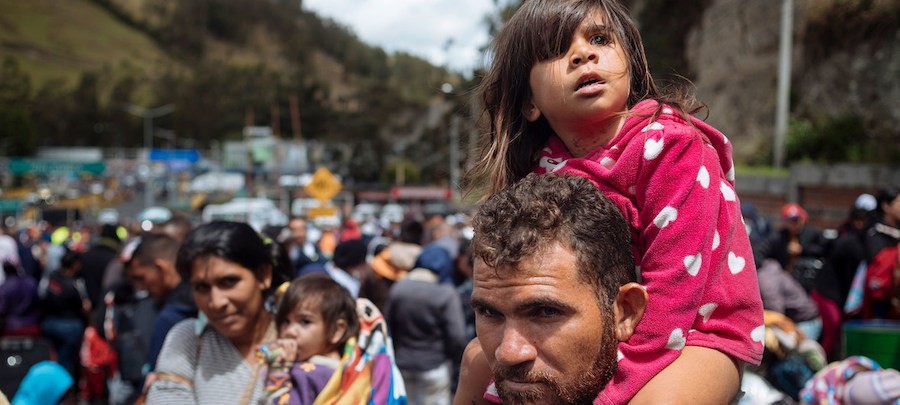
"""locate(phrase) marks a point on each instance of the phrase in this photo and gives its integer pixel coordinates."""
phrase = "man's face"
(298, 231)
(543, 331)
(148, 276)
(794, 224)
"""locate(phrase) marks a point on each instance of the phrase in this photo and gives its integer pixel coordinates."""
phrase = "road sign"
(7, 205)
(43, 166)
(189, 155)
(323, 186)
(316, 212)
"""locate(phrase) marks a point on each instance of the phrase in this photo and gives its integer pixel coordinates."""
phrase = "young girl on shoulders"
(569, 91)
(316, 317)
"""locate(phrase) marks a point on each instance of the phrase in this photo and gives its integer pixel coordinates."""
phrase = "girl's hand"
(283, 351)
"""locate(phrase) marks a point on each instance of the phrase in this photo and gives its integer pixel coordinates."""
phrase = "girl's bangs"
(553, 26)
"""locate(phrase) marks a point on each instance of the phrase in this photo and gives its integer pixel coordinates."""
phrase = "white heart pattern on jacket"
(758, 334)
(652, 148)
(676, 340)
(607, 162)
(551, 164)
(703, 177)
(692, 264)
(735, 263)
(727, 192)
(665, 216)
(706, 310)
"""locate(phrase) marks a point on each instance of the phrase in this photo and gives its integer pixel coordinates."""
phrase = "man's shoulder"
(311, 267)
(173, 313)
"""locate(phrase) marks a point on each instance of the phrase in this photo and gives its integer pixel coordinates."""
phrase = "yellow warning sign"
(316, 212)
(324, 185)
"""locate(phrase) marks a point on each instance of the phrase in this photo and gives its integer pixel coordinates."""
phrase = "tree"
(17, 136)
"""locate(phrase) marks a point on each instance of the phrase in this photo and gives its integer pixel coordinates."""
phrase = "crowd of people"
(813, 283)
(188, 299)
(157, 302)
(610, 262)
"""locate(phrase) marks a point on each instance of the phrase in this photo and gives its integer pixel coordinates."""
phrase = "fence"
(826, 192)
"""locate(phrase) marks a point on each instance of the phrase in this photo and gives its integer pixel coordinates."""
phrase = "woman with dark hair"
(213, 359)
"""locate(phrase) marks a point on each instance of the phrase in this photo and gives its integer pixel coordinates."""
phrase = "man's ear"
(531, 112)
(628, 309)
(340, 327)
(168, 271)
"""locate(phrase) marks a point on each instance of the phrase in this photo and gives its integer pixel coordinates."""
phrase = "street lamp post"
(782, 109)
(148, 114)
(449, 94)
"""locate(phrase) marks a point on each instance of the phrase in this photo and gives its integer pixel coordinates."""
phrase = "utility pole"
(782, 107)
(454, 157)
(148, 114)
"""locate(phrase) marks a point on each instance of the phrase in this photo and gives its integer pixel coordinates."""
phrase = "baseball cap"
(866, 202)
(793, 211)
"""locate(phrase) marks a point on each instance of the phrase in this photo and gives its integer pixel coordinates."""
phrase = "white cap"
(866, 202)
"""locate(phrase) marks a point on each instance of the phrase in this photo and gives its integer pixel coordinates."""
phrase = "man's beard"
(580, 389)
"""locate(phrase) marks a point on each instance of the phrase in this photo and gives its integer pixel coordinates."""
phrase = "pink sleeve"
(676, 195)
(695, 258)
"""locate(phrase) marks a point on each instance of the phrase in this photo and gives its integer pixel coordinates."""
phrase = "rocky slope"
(733, 52)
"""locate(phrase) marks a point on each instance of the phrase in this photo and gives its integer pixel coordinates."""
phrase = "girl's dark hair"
(335, 303)
(233, 241)
(542, 30)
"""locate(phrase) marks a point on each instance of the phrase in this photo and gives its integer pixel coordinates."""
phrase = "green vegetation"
(665, 44)
(59, 40)
(829, 139)
(215, 61)
(836, 25)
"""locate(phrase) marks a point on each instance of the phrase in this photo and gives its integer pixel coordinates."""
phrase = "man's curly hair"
(526, 218)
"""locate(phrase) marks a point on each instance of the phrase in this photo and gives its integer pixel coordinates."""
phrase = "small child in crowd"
(315, 319)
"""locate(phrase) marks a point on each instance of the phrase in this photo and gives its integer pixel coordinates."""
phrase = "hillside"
(69, 68)
(221, 64)
(845, 77)
(60, 40)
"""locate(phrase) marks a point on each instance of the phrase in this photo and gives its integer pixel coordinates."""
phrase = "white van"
(257, 212)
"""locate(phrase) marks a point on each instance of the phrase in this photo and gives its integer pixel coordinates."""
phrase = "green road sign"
(10, 205)
(42, 166)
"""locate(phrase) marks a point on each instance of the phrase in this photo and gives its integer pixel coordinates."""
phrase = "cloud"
(419, 27)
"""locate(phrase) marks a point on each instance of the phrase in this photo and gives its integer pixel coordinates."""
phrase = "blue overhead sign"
(166, 155)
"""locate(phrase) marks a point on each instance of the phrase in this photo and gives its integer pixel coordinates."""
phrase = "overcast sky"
(418, 27)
